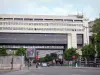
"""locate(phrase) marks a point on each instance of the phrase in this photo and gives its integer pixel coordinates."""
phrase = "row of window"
(43, 29)
(40, 24)
(41, 19)
(18, 46)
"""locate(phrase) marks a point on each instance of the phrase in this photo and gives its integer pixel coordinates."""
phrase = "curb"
(85, 68)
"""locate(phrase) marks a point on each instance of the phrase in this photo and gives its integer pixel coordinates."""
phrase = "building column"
(69, 44)
(72, 40)
(86, 33)
(86, 37)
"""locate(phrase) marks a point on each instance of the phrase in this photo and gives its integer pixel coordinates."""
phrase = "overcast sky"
(90, 8)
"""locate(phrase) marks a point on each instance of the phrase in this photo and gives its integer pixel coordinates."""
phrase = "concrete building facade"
(43, 32)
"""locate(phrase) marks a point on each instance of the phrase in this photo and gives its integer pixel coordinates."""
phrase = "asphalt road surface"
(56, 71)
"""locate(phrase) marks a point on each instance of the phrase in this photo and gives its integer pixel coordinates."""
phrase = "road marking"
(75, 74)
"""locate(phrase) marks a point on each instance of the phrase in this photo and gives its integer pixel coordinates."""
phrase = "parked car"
(44, 64)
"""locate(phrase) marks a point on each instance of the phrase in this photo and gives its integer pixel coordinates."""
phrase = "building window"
(35, 29)
(38, 19)
(68, 20)
(18, 18)
(58, 19)
(45, 23)
(48, 19)
(78, 20)
(35, 23)
(8, 18)
(80, 39)
(30, 23)
(0, 28)
(28, 19)
(1, 18)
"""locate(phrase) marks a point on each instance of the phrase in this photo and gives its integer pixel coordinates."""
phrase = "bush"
(20, 52)
(3, 52)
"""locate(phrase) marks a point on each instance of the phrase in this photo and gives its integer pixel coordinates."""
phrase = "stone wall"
(5, 62)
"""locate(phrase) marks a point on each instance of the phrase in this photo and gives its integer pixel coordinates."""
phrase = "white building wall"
(69, 40)
(72, 38)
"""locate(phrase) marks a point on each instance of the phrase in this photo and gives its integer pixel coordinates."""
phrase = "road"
(56, 71)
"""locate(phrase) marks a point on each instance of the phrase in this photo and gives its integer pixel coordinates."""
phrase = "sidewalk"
(87, 68)
(6, 71)
(80, 67)
(17, 71)
(29, 68)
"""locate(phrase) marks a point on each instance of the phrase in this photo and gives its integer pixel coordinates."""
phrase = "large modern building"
(43, 33)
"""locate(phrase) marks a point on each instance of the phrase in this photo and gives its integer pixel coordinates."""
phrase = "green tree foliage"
(42, 59)
(53, 55)
(88, 51)
(69, 53)
(96, 29)
(20, 52)
(96, 26)
(3, 52)
(98, 44)
(48, 57)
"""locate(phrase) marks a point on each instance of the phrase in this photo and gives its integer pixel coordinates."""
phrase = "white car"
(44, 64)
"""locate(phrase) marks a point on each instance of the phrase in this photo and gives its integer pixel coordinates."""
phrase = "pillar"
(86, 32)
(69, 45)
(72, 40)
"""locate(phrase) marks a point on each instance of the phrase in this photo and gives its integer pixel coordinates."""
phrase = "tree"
(88, 51)
(3, 52)
(42, 59)
(96, 29)
(98, 44)
(20, 52)
(48, 58)
(96, 26)
(69, 53)
(53, 55)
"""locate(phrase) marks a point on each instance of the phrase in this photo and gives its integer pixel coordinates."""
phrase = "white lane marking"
(75, 74)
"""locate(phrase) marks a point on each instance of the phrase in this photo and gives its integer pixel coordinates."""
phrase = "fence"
(11, 62)
(90, 63)
(84, 63)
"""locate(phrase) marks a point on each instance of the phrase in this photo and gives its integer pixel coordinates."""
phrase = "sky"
(90, 8)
